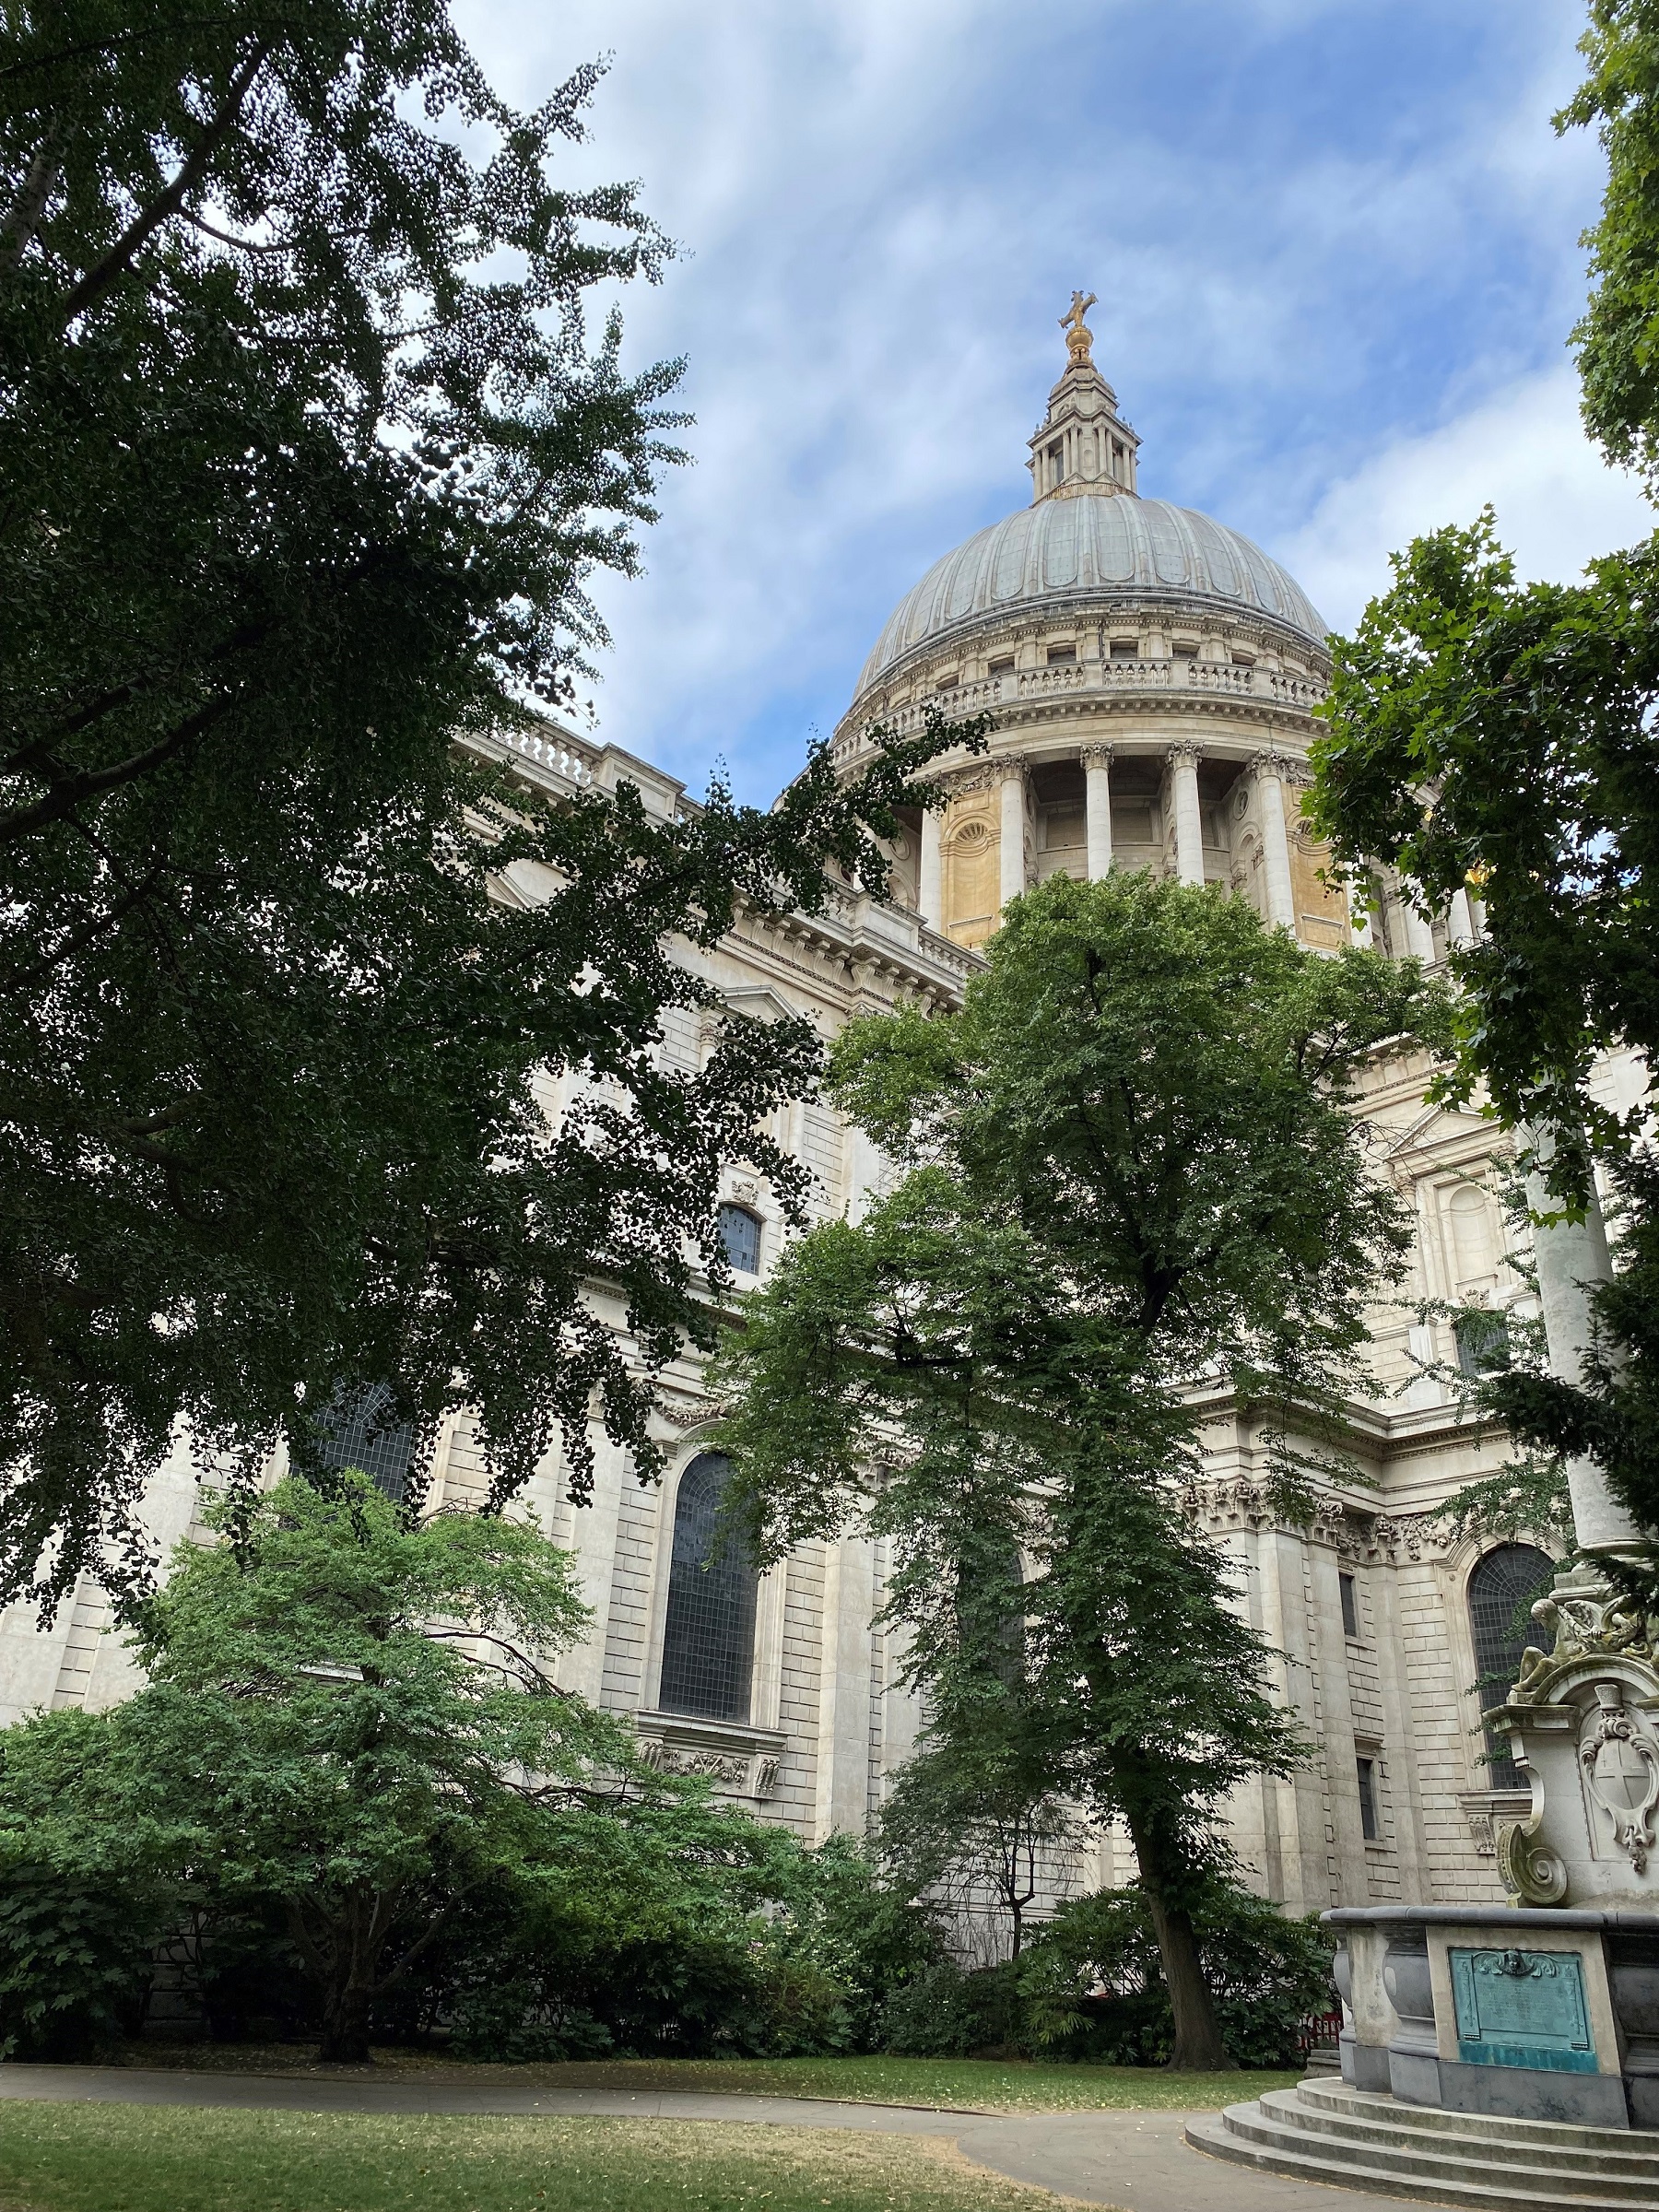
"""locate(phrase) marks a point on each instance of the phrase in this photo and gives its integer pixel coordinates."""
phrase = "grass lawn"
(124, 2157)
(953, 2083)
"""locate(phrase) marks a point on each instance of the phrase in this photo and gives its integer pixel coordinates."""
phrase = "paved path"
(1136, 2160)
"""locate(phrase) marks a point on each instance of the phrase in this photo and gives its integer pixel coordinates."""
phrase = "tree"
(1135, 1175)
(974, 1819)
(1501, 736)
(1615, 340)
(344, 1713)
(308, 455)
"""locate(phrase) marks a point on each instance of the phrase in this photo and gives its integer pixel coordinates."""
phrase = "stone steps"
(1325, 2131)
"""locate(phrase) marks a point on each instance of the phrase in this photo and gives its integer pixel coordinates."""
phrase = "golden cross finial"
(1078, 337)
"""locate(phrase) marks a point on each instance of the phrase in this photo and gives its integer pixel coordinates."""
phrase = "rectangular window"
(1350, 1607)
(740, 1234)
(1125, 649)
(1003, 666)
(1482, 1341)
(1185, 649)
(1059, 655)
(1367, 1771)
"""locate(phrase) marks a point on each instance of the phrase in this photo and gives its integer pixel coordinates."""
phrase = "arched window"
(991, 1615)
(1505, 1585)
(709, 1632)
(740, 1234)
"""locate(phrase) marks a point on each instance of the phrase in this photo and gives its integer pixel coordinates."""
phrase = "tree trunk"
(346, 2025)
(1199, 2043)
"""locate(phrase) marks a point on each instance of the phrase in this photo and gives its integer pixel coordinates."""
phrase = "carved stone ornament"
(689, 1417)
(1529, 1870)
(1621, 1773)
(1580, 1721)
(1580, 1624)
(755, 1774)
(1097, 756)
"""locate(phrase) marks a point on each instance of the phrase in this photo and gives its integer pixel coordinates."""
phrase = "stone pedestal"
(1529, 2013)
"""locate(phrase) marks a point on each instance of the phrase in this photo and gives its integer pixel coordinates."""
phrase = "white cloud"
(1301, 265)
(1524, 451)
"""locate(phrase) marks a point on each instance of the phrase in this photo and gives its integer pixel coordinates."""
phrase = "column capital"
(1183, 750)
(1006, 767)
(1097, 756)
(1285, 766)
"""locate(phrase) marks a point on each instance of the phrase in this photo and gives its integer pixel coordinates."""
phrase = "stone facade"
(1152, 677)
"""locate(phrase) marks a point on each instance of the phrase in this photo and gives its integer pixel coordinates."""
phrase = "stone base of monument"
(1532, 2013)
(1327, 2131)
(1491, 2054)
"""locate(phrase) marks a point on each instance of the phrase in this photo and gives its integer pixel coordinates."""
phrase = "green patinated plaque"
(1522, 2009)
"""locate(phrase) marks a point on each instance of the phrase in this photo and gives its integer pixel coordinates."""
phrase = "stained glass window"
(709, 1632)
(740, 1233)
(353, 1434)
(1504, 1587)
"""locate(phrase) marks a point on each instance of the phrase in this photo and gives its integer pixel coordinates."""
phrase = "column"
(1097, 777)
(1460, 922)
(1013, 828)
(1359, 888)
(844, 1734)
(1188, 823)
(1419, 937)
(1572, 1260)
(1276, 843)
(930, 897)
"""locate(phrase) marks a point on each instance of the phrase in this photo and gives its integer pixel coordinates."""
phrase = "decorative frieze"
(729, 1754)
(1374, 1538)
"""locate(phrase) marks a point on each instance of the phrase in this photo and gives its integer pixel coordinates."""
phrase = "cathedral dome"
(1089, 548)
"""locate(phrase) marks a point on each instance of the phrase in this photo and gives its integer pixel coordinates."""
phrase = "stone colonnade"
(1272, 771)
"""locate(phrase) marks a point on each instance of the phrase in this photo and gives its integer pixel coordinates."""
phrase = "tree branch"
(67, 795)
(23, 217)
(98, 279)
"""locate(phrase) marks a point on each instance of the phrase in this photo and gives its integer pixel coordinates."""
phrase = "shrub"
(945, 2012)
(1092, 1988)
(676, 1926)
(76, 1958)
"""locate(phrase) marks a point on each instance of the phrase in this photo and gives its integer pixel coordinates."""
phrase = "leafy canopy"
(309, 454)
(1501, 736)
(344, 1713)
(1617, 339)
(1135, 1172)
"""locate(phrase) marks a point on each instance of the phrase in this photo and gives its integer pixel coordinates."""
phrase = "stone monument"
(1510, 2054)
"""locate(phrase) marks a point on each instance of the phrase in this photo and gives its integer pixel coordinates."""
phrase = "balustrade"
(1279, 687)
(552, 752)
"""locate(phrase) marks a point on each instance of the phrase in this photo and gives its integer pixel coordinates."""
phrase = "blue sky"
(1335, 245)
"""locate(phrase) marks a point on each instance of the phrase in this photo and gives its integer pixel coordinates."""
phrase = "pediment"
(758, 1002)
(1433, 1124)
